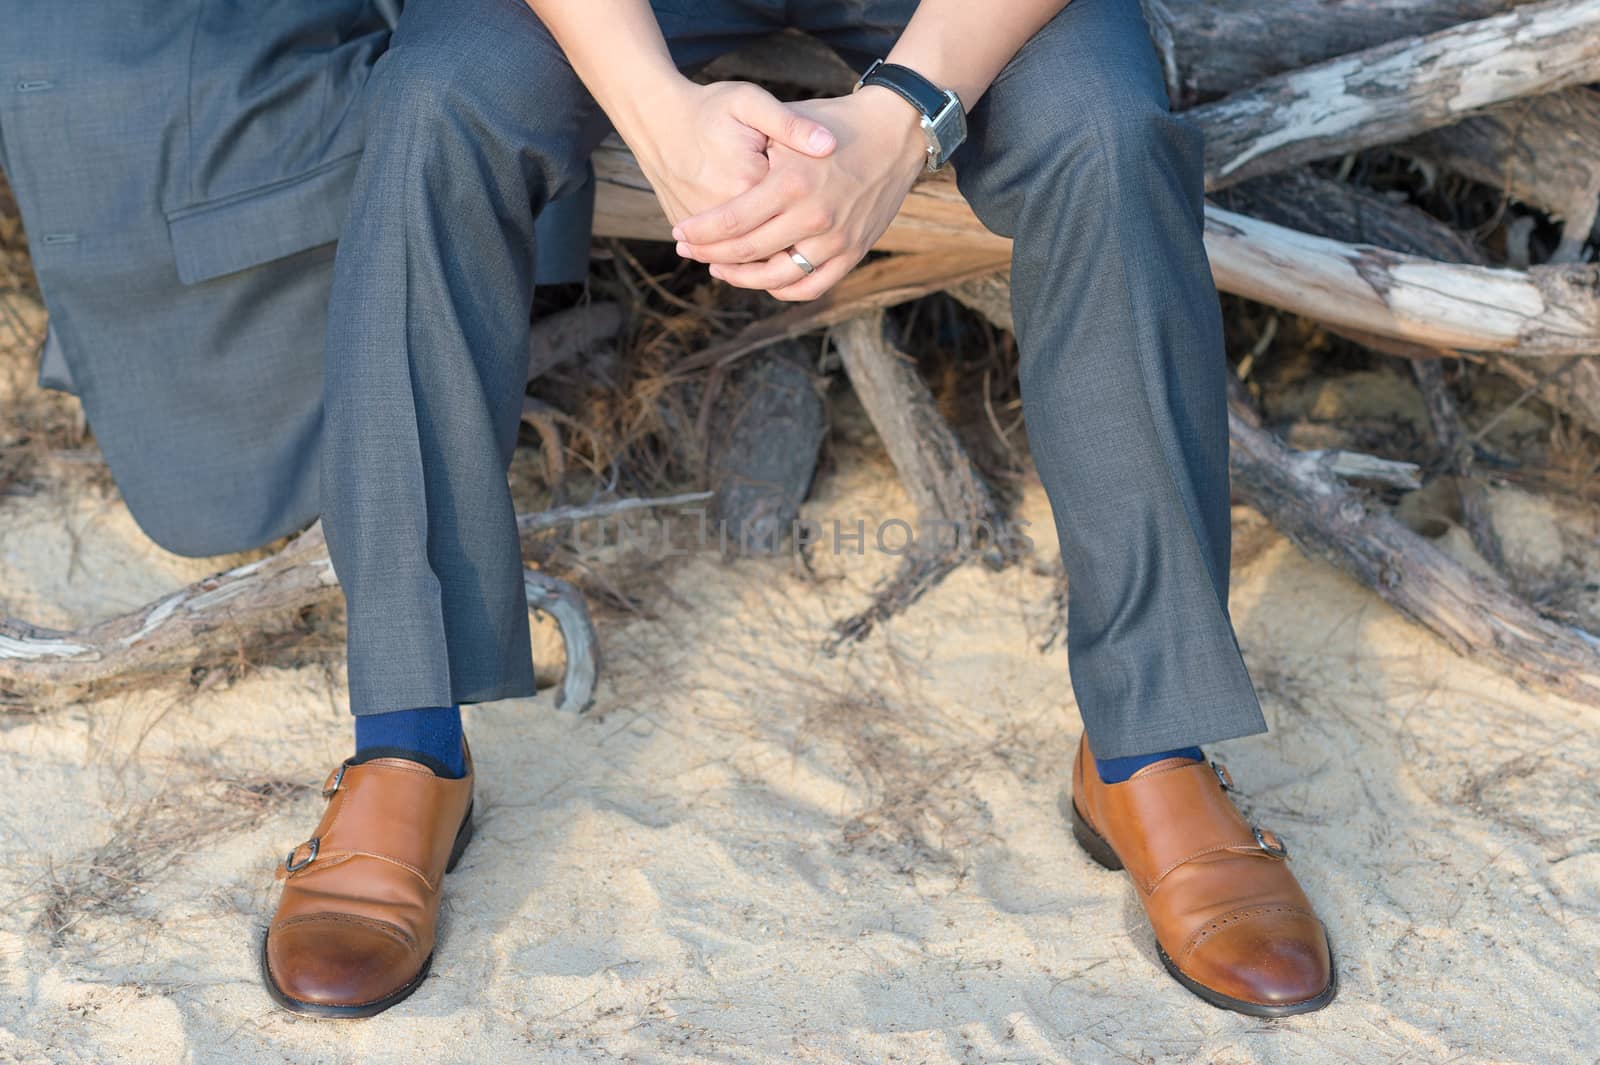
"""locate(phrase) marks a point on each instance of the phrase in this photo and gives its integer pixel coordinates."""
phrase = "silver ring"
(802, 262)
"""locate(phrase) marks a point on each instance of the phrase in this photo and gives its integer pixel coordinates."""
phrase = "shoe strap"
(1167, 817)
(390, 810)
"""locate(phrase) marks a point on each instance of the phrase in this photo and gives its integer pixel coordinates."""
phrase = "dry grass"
(924, 809)
(149, 838)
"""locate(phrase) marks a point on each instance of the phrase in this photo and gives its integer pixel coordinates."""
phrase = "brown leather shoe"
(1231, 922)
(354, 930)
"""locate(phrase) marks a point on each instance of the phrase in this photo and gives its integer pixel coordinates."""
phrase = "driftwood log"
(1540, 312)
(1214, 47)
(1356, 216)
(765, 437)
(41, 666)
(1475, 616)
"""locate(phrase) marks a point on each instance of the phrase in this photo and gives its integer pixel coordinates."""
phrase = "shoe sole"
(327, 1011)
(1097, 848)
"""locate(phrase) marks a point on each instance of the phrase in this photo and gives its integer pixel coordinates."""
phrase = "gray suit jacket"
(183, 169)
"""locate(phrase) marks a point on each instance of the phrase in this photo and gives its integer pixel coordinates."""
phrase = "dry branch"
(1400, 89)
(885, 283)
(1458, 458)
(937, 473)
(1543, 311)
(1476, 617)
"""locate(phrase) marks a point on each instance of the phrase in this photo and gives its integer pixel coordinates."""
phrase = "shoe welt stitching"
(333, 858)
(1161, 772)
(1217, 924)
(393, 931)
(322, 861)
(401, 765)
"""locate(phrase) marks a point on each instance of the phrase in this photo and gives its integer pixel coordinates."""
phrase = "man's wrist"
(651, 99)
(897, 121)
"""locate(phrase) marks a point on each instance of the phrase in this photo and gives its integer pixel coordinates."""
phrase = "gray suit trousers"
(475, 121)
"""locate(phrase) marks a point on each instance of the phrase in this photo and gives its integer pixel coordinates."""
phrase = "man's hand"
(699, 145)
(831, 210)
(707, 144)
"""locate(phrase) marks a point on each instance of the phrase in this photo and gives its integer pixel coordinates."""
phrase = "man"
(187, 318)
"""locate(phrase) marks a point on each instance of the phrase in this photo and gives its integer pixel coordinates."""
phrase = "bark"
(1400, 89)
(1457, 458)
(1220, 46)
(571, 334)
(766, 437)
(1341, 211)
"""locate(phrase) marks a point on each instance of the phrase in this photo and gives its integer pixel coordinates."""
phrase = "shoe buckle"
(290, 865)
(1223, 777)
(333, 782)
(1268, 841)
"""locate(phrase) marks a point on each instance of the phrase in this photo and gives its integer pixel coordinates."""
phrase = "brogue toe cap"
(1274, 958)
(334, 960)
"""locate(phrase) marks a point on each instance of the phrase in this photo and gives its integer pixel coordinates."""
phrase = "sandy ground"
(751, 852)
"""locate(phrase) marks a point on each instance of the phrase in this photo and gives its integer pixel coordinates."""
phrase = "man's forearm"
(617, 50)
(959, 45)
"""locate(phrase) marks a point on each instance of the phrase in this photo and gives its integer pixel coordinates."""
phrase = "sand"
(751, 852)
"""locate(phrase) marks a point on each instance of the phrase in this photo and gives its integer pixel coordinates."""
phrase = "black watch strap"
(915, 89)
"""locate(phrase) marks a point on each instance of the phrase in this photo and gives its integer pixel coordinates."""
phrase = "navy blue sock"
(1116, 770)
(431, 735)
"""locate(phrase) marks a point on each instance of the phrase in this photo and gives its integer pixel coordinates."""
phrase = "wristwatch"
(944, 120)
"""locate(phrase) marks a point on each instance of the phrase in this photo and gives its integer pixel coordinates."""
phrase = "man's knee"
(510, 98)
(1141, 149)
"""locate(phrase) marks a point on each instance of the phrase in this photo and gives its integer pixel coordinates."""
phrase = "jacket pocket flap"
(255, 227)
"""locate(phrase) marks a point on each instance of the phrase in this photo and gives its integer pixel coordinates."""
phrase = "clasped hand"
(830, 206)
